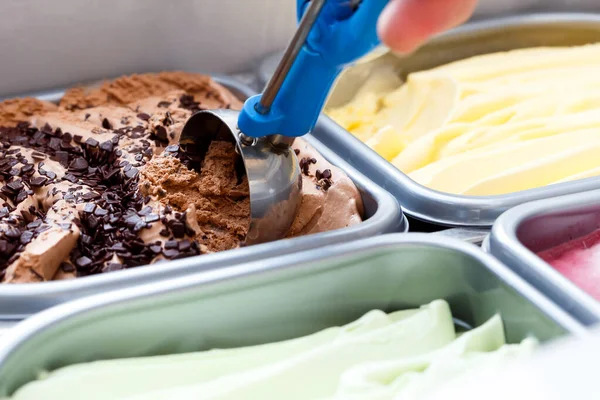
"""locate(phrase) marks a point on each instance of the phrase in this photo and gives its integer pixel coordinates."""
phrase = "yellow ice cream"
(403, 355)
(491, 124)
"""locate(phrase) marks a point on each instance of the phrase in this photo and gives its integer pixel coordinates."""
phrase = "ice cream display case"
(368, 210)
(127, 265)
(457, 190)
(242, 306)
(552, 244)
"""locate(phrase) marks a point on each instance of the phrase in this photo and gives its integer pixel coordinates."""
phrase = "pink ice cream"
(579, 261)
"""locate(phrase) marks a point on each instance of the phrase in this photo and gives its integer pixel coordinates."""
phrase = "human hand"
(406, 24)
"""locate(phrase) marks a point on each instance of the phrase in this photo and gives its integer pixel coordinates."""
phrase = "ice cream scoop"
(331, 35)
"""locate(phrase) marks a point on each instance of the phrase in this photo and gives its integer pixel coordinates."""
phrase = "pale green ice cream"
(405, 355)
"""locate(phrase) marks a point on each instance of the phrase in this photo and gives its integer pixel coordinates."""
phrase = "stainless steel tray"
(525, 230)
(281, 298)
(382, 213)
(476, 38)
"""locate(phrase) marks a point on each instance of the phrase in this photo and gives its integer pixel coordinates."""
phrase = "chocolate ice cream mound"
(99, 184)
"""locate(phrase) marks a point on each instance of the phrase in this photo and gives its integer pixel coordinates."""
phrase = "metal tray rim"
(402, 183)
(504, 244)
(535, 18)
(55, 315)
(387, 218)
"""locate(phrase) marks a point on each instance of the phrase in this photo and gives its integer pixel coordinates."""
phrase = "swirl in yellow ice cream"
(491, 124)
(404, 354)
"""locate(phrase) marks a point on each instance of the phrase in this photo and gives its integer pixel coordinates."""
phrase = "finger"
(406, 24)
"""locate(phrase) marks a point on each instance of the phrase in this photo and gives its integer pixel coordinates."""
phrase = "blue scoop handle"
(340, 36)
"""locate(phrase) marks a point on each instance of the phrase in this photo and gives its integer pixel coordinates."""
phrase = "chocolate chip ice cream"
(218, 194)
(98, 182)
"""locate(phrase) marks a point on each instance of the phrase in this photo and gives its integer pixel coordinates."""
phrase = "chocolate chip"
(91, 142)
(145, 211)
(50, 174)
(100, 212)
(66, 145)
(54, 144)
(131, 173)
(86, 239)
(324, 184)
(171, 244)
(143, 116)
(107, 146)
(187, 102)
(83, 262)
(106, 124)
(132, 220)
(87, 115)
(21, 196)
(90, 196)
(139, 226)
(92, 222)
(171, 253)
(177, 228)
(164, 232)
(15, 185)
(164, 104)
(71, 178)
(38, 181)
(79, 164)
(38, 156)
(34, 224)
(12, 232)
(62, 157)
(161, 133)
(119, 247)
(26, 237)
(151, 218)
(305, 164)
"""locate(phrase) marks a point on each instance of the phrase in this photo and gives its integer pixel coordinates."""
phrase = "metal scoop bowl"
(273, 172)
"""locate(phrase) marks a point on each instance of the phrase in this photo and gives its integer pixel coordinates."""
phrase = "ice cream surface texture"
(579, 261)
(487, 125)
(402, 355)
(98, 182)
